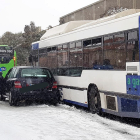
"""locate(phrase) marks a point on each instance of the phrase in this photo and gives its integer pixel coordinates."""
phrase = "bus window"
(5, 59)
(75, 55)
(54, 48)
(75, 72)
(42, 51)
(43, 60)
(79, 44)
(93, 53)
(72, 45)
(60, 48)
(49, 49)
(132, 35)
(108, 39)
(97, 42)
(116, 53)
(132, 51)
(65, 47)
(119, 37)
(87, 43)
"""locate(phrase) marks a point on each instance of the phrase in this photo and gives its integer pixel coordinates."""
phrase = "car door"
(10, 78)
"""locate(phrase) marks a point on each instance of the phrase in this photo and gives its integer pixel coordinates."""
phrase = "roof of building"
(75, 25)
(115, 16)
(83, 8)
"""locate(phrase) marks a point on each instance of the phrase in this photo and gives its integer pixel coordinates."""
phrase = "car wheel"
(11, 101)
(2, 98)
(94, 100)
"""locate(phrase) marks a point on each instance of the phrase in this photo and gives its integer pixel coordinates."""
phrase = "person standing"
(2, 87)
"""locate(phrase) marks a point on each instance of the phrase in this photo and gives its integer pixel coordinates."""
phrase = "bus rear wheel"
(94, 100)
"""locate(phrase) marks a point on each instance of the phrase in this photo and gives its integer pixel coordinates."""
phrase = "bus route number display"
(133, 84)
(4, 51)
(133, 81)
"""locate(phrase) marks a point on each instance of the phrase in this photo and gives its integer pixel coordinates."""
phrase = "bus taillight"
(14, 58)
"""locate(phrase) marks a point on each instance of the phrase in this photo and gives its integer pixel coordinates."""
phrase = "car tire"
(2, 98)
(94, 100)
(54, 102)
(11, 100)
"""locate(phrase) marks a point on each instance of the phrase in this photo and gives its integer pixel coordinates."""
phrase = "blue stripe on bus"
(128, 105)
(76, 103)
(139, 38)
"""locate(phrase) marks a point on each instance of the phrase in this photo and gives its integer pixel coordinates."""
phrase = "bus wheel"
(94, 100)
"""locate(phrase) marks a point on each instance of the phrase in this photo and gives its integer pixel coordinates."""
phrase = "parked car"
(31, 83)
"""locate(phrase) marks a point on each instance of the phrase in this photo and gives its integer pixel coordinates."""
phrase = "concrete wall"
(99, 9)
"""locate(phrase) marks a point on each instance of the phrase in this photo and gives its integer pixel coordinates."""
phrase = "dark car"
(31, 83)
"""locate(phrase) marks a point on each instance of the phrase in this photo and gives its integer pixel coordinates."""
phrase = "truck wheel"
(94, 100)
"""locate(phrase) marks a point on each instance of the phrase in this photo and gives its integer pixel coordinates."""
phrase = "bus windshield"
(5, 59)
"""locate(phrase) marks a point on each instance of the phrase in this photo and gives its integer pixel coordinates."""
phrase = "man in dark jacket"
(2, 87)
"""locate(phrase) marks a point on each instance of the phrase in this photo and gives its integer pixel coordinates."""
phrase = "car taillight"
(54, 85)
(17, 84)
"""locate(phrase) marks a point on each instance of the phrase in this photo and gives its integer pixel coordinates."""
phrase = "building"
(100, 9)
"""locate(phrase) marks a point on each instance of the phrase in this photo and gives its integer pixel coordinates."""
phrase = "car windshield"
(35, 72)
(4, 59)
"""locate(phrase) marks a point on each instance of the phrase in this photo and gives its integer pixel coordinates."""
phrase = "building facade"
(100, 9)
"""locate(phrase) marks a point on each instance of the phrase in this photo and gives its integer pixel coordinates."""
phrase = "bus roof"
(64, 28)
(94, 28)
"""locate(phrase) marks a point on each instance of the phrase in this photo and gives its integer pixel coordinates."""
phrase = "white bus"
(96, 63)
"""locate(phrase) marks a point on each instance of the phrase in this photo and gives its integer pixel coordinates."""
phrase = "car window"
(15, 73)
(11, 74)
(35, 72)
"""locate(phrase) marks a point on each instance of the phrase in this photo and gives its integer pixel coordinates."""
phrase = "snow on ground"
(43, 122)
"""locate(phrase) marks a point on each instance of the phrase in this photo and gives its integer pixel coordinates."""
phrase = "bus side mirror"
(30, 58)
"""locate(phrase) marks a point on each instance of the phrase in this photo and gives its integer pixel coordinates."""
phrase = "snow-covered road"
(43, 122)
